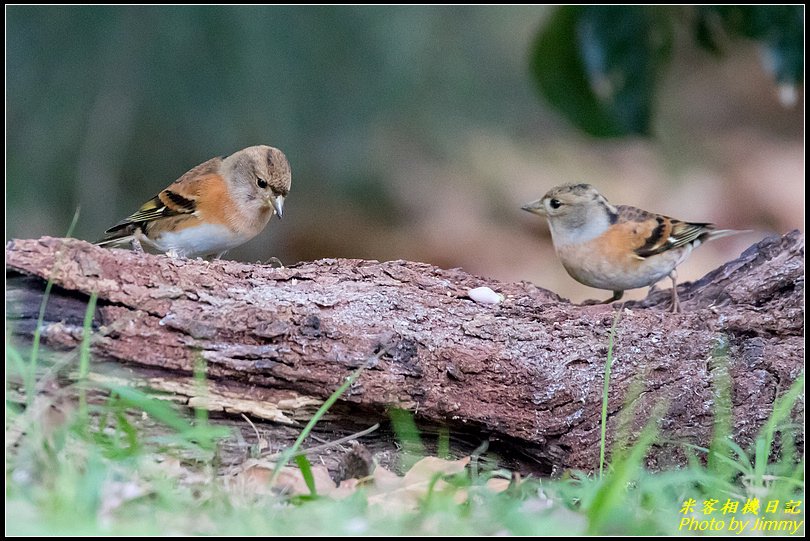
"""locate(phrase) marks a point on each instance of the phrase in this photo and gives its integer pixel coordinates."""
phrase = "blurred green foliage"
(780, 30)
(107, 105)
(600, 65)
(399, 122)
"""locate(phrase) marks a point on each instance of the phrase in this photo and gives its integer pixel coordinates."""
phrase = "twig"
(327, 445)
(255, 430)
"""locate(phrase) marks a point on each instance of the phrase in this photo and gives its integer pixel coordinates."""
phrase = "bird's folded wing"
(165, 204)
(657, 233)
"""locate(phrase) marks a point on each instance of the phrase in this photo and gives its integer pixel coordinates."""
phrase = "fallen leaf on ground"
(418, 482)
(256, 478)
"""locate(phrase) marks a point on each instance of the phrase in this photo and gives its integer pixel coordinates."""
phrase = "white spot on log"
(484, 295)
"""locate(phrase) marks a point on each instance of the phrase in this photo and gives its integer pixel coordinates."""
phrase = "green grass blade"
(611, 493)
(157, 409)
(201, 387)
(408, 436)
(291, 452)
(443, 443)
(20, 367)
(32, 369)
(605, 389)
(741, 465)
(781, 412)
(306, 473)
(721, 387)
(84, 357)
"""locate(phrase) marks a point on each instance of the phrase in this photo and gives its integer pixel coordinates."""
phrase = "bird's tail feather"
(720, 233)
(114, 241)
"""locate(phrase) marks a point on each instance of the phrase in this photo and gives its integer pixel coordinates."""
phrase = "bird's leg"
(676, 303)
(219, 255)
(616, 296)
(139, 240)
(135, 241)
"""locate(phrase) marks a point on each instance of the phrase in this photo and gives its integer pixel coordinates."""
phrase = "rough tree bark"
(528, 371)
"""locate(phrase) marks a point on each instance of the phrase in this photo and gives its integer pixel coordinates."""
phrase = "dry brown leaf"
(427, 468)
(414, 486)
(253, 479)
(290, 481)
(495, 484)
(346, 488)
(324, 485)
(498, 484)
(459, 495)
(408, 497)
(384, 480)
(397, 501)
(384, 487)
(252, 463)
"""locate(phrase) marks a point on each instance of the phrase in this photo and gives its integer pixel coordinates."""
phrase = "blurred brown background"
(413, 132)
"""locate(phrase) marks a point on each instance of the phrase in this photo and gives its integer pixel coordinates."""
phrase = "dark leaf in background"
(707, 29)
(599, 66)
(780, 29)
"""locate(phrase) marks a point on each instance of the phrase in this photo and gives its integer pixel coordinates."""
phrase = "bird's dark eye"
(262, 183)
(554, 203)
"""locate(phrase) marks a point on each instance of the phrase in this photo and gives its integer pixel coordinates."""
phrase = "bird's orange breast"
(610, 262)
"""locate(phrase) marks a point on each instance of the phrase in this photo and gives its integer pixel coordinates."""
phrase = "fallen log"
(527, 371)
